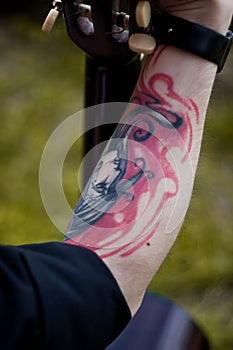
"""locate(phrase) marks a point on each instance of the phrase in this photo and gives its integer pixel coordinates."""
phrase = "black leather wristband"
(192, 37)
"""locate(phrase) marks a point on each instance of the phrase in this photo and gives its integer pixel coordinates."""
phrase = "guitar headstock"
(111, 30)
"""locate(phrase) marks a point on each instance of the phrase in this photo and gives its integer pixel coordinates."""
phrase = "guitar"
(114, 34)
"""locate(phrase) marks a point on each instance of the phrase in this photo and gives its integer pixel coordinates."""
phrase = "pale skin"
(144, 218)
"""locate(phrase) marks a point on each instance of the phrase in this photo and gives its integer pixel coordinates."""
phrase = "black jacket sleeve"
(57, 296)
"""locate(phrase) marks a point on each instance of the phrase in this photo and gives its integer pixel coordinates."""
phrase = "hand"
(215, 14)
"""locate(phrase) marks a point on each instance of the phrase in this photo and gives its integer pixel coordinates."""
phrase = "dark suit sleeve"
(56, 296)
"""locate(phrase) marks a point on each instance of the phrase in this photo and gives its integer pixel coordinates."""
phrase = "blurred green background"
(41, 84)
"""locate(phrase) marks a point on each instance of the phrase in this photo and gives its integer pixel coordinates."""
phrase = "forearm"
(139, 232)
(167, 86)
(136, 200)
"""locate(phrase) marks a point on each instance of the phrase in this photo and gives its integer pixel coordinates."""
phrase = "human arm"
(134, 237)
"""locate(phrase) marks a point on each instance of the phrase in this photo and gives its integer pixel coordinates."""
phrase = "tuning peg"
(52, 16)
(50, 20)
(142, 43)
(143, 13)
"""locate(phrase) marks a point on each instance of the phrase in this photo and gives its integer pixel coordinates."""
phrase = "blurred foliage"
(41, 84)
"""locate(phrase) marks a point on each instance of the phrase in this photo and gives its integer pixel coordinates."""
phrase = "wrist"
(219, 25)
(194, 38)
(193, 30)
(214, 15)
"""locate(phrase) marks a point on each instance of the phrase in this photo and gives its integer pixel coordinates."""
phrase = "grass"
(41, 84)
